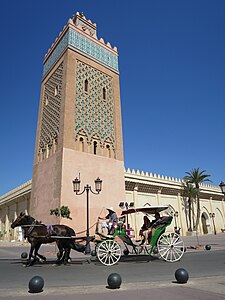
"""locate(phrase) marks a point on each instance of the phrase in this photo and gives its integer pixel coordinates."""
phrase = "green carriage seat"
(160, 229)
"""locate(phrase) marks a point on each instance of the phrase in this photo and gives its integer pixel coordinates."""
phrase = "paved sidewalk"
(211, 288)
(192, 243)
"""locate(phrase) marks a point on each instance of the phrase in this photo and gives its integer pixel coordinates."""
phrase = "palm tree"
(197, 177)
(191, 192)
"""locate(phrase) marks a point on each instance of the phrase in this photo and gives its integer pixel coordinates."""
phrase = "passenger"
(146, 225)
(151, 230)
(112, 220)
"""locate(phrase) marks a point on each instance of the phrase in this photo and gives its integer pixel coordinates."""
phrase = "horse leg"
(30, 261)
(60, 252)
(36, 254)
(66, 256)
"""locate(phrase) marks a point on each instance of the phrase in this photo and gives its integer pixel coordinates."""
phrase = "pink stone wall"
(46, 188)
(90, 166)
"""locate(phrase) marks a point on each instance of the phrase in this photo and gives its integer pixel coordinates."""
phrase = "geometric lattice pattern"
(91, 49)
(78, 42)
(94, 115)
(49, 129)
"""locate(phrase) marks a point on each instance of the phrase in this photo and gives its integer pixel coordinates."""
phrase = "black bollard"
(181, 275)
(114, 281)
(36, 284)
(24, 255)
(207, 247)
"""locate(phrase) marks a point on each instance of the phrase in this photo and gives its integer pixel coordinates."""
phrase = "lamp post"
(87, 188)
(175, 218)
(123, 205)
(212, 215)
(222, 186)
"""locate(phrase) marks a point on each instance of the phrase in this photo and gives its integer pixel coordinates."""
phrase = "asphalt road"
(133, 269)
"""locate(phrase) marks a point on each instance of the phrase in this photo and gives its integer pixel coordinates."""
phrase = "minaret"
(79, 130)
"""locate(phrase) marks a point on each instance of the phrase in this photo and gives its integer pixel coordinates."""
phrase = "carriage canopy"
(146, 209)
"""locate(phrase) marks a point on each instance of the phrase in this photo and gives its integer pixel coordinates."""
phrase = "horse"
(38, 234)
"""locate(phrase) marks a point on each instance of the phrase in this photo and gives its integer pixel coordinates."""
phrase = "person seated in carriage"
(148, 228)
(146, 225)
(112, 220)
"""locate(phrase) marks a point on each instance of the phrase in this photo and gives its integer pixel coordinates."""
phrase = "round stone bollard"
(114, 281)
(207, 247)
(181, 275)
(24, 255)
(36, 284)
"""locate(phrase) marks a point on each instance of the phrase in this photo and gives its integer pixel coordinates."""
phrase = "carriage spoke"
(170, 247)
(108, 252)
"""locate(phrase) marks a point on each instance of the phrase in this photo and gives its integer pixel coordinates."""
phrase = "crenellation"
(81, 36)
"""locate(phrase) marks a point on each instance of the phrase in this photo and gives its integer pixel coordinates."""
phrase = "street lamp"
(175, 217)
(222, 186)
(123, 205)
(87, 188)
(212, 215)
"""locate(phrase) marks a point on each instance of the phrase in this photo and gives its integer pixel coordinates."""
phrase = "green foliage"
(196, 177)
(63, 212)
(191, 192)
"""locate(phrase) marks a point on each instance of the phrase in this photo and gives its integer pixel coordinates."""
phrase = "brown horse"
(38, 234)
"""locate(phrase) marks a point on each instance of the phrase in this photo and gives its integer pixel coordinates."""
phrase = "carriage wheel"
(170, 247)
(108, 252)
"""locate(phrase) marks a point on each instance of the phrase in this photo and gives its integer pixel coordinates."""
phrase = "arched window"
(81, 146)
(108, 151)
(86, 85)
(104, 94)
(46, 100)
(56, 90)
(95, 147)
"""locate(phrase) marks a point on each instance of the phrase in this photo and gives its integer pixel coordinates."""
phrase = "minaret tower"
(79, 130)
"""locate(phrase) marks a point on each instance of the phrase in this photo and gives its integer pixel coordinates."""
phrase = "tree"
(197, 177)
(63, 212)
(191, 192)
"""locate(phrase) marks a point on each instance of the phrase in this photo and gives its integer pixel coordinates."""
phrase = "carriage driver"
(111, 218)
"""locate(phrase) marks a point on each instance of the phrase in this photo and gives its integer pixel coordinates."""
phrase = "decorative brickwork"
(51, 113)
(94, 115)
(79, 42)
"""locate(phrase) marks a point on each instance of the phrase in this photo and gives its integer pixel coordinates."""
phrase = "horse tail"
(77, 247)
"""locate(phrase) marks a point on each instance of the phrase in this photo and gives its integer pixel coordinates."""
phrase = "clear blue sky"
(172, 76)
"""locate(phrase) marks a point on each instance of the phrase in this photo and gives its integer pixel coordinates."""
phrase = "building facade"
(79, 135)
(141, 189)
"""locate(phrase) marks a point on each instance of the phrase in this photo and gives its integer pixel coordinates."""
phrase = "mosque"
(78, 157)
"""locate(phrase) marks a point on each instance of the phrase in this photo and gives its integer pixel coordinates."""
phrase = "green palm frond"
(196, 176)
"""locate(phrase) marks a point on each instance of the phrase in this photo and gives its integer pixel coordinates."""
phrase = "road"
(133, 269)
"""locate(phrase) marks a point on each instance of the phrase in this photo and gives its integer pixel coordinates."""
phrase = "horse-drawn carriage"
(168, 246)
